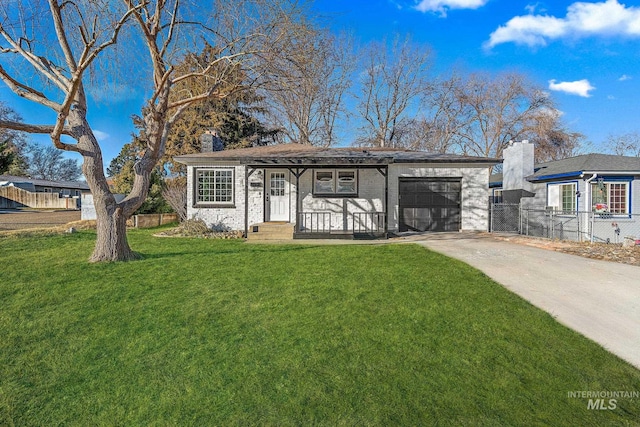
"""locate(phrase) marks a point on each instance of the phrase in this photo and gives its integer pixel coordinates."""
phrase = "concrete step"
(271, 231)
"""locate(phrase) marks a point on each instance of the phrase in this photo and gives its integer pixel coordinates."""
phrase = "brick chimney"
(518, 164)
(210, 141)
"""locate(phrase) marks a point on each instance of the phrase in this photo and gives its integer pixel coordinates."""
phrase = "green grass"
(205, 332)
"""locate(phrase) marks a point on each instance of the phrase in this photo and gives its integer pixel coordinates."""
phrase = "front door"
(278, 196)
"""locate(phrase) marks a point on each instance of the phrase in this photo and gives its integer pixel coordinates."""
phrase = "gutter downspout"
(588, 200)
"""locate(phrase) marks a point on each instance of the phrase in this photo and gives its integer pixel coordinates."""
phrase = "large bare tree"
(307, 85)
(627, 144)
(393, 80)
(479, 114)
(49, 47)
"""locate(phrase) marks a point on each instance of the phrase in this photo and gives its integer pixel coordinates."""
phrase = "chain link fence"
(577, 226)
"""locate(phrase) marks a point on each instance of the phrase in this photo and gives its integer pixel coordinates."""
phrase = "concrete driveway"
(599, 299)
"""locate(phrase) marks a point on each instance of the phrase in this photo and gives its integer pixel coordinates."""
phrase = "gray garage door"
(430, 204)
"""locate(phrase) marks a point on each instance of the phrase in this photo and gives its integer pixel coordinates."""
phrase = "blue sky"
(586, 54)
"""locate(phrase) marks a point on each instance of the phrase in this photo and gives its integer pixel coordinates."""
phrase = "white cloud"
(100, 136)
(611, 97)
(442, 6)
(624, 77)
(583, 19)
(579, 87)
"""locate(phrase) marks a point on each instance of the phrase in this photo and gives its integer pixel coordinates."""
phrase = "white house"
(337, 192)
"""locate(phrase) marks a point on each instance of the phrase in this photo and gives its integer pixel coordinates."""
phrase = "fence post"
(593, 224)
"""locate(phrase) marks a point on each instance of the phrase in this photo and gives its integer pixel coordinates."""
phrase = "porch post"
(247, 175)
(386, 201)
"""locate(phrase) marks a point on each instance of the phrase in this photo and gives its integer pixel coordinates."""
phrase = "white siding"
(371, 186)
(370, 198)
(223, 218)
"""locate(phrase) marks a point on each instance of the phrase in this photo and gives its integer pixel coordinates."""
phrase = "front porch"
(316, 202)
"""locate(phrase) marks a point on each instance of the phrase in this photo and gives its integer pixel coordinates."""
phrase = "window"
(497, 196)
(610, 197)
(323, 182)
(214, 187)
(335, 182)
(346, 182)
(568, 197)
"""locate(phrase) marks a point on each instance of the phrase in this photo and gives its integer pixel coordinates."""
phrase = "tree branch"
(27, 92)
(30, 128)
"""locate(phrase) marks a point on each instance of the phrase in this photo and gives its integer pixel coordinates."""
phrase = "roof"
(44, 182)
(588, 163)
(299, 154)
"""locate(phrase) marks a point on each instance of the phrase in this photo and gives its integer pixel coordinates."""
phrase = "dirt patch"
(602, 251)
(21, 220)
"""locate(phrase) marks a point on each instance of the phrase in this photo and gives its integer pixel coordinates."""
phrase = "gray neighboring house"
(62, 188)
(601, 183)
(19, 191)
(336, 192)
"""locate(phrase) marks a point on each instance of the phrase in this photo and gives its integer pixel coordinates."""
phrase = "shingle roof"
(44, 182)
(584, 164)
(309, 155)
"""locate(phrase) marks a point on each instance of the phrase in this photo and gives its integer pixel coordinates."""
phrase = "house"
(336, 192)
(590, 182)
(63, 188)
(603, 188)
(19, 191)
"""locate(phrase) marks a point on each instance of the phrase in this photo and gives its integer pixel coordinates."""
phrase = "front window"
(328, 182)
(568, 197)
(346, 182)
(214, 186)
(610, 197)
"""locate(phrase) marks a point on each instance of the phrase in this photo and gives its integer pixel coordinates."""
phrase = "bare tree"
(306, 85)
(627, 144)
(83, 32)
(175, 193)
(393, 79)
(49, 163)
(479, 115)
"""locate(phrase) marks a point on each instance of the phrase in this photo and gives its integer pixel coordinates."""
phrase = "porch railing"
(314, 222)
(368, 222)
(361, 222)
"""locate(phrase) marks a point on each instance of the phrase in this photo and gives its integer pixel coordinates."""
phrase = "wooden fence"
(14, 197)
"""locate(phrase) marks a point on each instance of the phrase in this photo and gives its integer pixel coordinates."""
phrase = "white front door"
(278, 194)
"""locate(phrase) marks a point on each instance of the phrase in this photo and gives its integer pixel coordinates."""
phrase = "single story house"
(592, 196)
(600, 183)
(63, 188)
(336, 192)
(20, 191)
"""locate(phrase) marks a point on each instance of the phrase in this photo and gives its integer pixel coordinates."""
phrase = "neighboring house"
(600, 183)
(336, 192)
(19, 191)
(63, 188)
(594, 196)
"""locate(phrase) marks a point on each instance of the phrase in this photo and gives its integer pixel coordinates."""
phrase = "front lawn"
(205, 332)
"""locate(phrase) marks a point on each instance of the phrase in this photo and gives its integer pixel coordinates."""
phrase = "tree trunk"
(111, 243)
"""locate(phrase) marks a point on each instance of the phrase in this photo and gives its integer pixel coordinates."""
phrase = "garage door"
(430, 204)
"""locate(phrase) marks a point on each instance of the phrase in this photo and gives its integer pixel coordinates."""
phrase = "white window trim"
(334, 183)
(627, 185)
(197, 203)
(554, 196)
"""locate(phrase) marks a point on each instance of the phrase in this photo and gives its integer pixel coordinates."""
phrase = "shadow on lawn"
(229, 251)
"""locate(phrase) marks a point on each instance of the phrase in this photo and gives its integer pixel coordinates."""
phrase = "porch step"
(271, 231)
